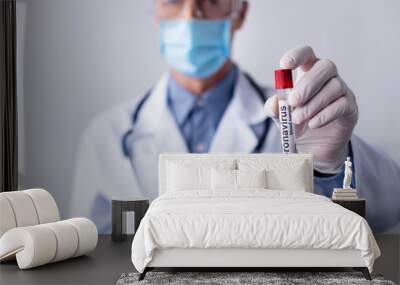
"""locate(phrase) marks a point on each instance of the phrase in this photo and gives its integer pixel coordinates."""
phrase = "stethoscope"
(135, 116)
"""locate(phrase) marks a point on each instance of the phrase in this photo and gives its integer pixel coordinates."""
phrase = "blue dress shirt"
(198, 116)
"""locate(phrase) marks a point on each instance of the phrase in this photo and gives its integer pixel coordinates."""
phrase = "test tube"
(283, 86)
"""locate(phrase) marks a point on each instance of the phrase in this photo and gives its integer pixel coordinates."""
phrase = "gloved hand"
(325, 109)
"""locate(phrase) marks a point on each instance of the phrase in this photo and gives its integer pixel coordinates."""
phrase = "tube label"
(287, 134)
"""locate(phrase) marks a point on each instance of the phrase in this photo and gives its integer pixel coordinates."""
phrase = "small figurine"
(346, 193)
(348, 173)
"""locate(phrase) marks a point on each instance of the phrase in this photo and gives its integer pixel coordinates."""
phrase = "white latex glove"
(325, 109)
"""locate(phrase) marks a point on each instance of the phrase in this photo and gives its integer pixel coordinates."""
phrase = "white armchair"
(31, 231)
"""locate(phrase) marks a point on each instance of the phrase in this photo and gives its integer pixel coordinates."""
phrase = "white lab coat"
(103, 172)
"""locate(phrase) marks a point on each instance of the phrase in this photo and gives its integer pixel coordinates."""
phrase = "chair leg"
(364, 271)
(142, 275)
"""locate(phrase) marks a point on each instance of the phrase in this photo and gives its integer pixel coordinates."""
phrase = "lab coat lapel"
(157, 121)
(155, 132)
(234, 133)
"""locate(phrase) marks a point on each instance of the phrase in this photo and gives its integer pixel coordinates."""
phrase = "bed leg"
(142, 275)
(364, 271)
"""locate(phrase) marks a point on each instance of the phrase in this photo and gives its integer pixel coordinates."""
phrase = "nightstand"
(120, 206)
(357, 205)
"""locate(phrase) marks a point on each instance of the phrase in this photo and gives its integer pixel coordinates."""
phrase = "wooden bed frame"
(363, 270)
(241, 260)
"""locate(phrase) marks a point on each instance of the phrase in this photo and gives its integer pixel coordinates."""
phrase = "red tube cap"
(283, 79)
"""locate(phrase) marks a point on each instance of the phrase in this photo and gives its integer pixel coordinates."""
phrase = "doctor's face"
(201, 9)
(196, 35)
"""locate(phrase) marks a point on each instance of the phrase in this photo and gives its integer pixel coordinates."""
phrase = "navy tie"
(199, 128)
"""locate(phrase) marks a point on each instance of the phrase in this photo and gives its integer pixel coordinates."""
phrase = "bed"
(246, 211)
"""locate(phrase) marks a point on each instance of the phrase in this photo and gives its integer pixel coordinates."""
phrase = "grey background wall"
(77, 58)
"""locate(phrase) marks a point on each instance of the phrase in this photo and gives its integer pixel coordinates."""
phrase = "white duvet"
(250, 219)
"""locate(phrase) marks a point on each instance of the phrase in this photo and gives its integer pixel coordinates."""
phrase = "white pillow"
(251, 178)
(193, 174)
(222, 179)
(293, 179)
(282, 174)
(181, 177)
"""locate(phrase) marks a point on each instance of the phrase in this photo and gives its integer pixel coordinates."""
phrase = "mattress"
(250, 219)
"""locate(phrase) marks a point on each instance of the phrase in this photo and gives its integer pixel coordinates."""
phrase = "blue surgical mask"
(196, 48)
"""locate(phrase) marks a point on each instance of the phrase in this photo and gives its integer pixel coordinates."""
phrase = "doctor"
(206, 103)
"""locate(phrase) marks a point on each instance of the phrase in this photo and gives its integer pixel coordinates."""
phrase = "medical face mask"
(196, 48)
